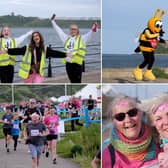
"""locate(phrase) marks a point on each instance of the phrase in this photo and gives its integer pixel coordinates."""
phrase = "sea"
(131, 60)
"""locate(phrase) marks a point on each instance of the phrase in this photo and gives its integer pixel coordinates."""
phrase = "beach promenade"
(124, 75)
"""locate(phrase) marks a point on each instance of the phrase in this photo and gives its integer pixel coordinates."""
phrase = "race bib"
(34, 132)
(16, 126)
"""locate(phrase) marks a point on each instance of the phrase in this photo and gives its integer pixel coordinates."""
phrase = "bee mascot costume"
(147, 44)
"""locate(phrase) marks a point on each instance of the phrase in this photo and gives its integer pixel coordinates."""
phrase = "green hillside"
(5, 93)
(161, 49)
(21, 21)
(40, 92)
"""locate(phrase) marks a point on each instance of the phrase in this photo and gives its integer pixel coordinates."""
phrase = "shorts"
(7, 131)
(51, 137)
(36, 151)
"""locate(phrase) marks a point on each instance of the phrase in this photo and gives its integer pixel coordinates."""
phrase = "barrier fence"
(92, 50)
(87, 115)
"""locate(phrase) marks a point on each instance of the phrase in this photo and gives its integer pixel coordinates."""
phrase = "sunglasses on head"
(121, 116)
(32, 102)
(73, 29)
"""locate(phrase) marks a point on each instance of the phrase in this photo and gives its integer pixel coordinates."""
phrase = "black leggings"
(75, 121)
(74, 72)
(6, 74)
(149, 59)
(15, 138)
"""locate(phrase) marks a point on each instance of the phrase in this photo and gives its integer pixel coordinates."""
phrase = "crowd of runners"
(35, 123)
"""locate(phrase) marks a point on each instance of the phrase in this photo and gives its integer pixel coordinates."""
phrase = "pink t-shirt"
(51, 123)
(122, 162)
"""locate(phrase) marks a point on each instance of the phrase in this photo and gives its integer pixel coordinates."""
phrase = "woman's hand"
(163, 159)
(3, 51)
(53, 17)
(95, 27)
(70, 55)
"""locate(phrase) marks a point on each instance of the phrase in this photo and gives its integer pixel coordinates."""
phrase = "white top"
(85, 37)
(18, 40)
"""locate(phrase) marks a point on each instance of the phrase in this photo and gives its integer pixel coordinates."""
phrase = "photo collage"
(84, 84)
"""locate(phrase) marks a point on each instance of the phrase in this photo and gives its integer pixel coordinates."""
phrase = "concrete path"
(124, 75)
(22, 159)
(87, 77)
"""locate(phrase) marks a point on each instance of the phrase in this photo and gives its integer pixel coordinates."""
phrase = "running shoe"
(55, 161)
(47, 154)
(7, 150)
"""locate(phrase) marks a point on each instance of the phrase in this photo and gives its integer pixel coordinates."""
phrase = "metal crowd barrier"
(50, 67)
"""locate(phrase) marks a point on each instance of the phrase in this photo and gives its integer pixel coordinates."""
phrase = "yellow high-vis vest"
(6, 59)
(79, 50)
(25, 65)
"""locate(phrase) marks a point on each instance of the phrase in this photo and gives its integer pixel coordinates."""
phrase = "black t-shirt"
(29, 112)
(98, 155)
(90, 104)
(71, 106)
(33, 130)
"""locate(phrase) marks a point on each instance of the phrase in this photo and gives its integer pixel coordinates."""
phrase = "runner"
(34, 138)
(15, 129)
(7, 126)
(75, 44)
(52, 121)
(46, 147)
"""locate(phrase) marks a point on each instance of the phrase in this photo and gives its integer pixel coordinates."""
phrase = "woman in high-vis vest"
(76, 45)
(7, 61)
(33, 60)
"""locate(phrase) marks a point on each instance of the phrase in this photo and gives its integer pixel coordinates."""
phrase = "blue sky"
(141, 91)
(124, 19)
(44, 8)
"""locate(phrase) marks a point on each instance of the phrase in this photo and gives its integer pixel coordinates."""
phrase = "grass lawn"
(81, 145)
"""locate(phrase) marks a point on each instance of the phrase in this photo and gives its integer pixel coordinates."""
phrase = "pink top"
(51, 123)
(61, 106)
(122, 162)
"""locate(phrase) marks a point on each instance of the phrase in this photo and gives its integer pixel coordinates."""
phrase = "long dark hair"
(32, 43)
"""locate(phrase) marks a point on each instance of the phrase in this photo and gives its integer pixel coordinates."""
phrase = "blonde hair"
(151, 105)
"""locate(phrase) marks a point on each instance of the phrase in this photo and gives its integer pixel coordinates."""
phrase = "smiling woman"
(132, 144)
(158, 115)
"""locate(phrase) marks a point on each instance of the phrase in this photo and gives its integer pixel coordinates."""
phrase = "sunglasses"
(121, 116)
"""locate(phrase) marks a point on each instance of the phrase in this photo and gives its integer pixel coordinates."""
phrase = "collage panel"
(134, 41)
(49, 126)
(134, 125)
(50, 41)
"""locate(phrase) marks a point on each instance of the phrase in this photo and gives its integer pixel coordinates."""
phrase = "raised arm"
(58, 30)
(86, 37)
(20, 39)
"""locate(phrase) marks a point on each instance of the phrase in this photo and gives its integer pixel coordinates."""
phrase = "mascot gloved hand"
(148, 41)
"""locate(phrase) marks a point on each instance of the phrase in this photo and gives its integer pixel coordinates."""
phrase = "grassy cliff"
(21, 21)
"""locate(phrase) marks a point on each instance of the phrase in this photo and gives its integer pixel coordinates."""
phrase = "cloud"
(44, 8)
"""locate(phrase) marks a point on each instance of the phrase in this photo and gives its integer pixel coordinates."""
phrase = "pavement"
(22, 159)
(87, 77)
(124, 75)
